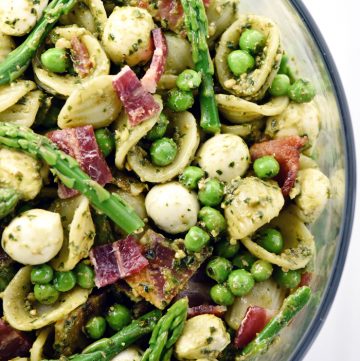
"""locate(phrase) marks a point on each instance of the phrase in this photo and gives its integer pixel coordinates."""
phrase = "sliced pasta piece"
(36, 352)
(248, 131)
(63, 85)
(167, 82)
(299, 244)
(265, 294)
(252, 85)
(10, 94)
(187, 139)
(93, 103)
(88, 14)
(24, 111)
(126, 136)
(26, 316)
(6, 46)
(79, 232)
(239, 111)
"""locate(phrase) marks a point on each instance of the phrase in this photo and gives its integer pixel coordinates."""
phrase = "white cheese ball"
(34, 237)
(225, 156)
(130, 354)
(18, 17)
(202, 335)
(172, 207)
(127, 35)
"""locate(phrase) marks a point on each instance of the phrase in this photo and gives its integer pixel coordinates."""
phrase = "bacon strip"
(157, 66)
(254, 321)
(139, 104)
(218, 311)
(80, 143)
(117, 260)
(80, 57)
(287, 152)
(306, 279)
(13, 343)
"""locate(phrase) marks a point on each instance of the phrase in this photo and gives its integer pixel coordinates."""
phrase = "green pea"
(211, 192)
(280, 85)
(64, 281)
(191, 177)
(180, 100)
(212, 220)
(240, 282)
(261, 270)
(221, 295)
(159, 129)
(226, 250)
(56, 60)
(252, 41)
(84, 276)
(95, 327)
(219, 269)
(244, 260)
(290, 279)
(286, 69)
(118, 316)
(240, 62)
(302, 91)
(196, 239)
(266, 167)
(270, 239)
(42, 274)
(105, 140)
(163, 152)
(46, 294)
(189, 79)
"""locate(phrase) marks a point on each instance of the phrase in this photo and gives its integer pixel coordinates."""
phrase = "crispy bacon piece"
(80, 57)
(306, 279)
(139, 104)
(254, 321)
(81, 144)
(157, 66)
(218, 311)
(117, 260)
(165, 275)
(13, 343)
(287, 152)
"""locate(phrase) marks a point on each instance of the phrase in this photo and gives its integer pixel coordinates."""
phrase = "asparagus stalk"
(19, 59)
(166, 332)
(107, 348)
(68, 171)
(291, 306)
(197, 31)
(8, 200)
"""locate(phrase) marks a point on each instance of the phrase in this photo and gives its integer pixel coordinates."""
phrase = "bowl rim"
(350, 185)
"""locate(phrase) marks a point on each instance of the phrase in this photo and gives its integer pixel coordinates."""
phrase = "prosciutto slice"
(254, 321)
(80, 143)
(218, 311)
(139, 104)
(13, 343)
(287, 152)
(80, 57)
(117, 260)
(157, 66)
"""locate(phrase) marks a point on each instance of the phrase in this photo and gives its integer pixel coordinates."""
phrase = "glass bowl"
(334, 152)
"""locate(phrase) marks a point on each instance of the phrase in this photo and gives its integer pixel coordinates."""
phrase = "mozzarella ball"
(34, 237)
(130, 354)
(172, 207)
(225, 156)
(202, 335)
(127, 35)
(18, 17)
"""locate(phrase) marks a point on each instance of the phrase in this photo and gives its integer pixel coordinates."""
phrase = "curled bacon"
(157, 66)
(218, 311)
(80, 57)
(287, 152)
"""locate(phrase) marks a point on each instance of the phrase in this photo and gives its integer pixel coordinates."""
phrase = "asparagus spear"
(19, 59)
(166, 332)
(291, 306)
(68, 171)
(107, 348)
(197, 31)
(8, 200)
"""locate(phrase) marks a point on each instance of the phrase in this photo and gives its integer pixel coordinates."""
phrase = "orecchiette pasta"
(12, 93)
(6, 45)
(36, 352)
(251, 130)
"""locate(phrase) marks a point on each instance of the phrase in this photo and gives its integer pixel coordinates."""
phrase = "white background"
(339, 339)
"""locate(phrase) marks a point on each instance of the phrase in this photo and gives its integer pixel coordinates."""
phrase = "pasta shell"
(6, 46)
(93, 103)
(248, 131)
(10, 94)
(36, 352)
